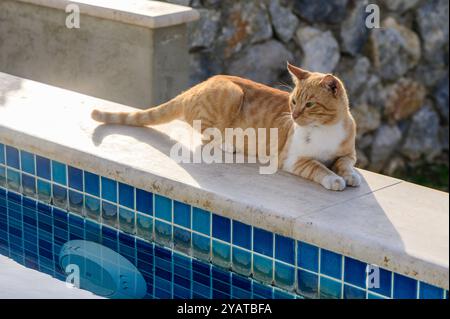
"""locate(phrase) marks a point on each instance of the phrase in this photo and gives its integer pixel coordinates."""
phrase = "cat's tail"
(153, 116)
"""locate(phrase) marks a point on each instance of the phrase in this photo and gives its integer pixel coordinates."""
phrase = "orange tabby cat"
(315, 128)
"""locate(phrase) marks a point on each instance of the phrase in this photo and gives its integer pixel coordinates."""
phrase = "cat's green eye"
(309, 104)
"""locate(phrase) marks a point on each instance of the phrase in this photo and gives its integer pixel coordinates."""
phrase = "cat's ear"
(331, 84)
(297, 73)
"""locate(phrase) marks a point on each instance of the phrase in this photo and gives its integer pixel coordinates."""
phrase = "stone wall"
(397, 75)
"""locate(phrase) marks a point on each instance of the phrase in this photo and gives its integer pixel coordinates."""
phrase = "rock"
(362, 160)
(404, 98)
(245, 22)
(328, 11)
(443, 137)
(367, 119)
(373, 93)
(386, 141)
(203, 65)
(432, 21)
(203, 32)
(423, 135)
(364, 141)
(396, 164)
(354, 73)
(284, 21)
(429, 74)
(261, 62)
(400, 5)
(354, 32)
(320, 49)
(441, 97)
(394, 49)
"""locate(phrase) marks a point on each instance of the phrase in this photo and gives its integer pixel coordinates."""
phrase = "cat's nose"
(295, 114)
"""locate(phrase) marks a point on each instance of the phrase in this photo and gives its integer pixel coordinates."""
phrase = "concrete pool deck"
(388, 222)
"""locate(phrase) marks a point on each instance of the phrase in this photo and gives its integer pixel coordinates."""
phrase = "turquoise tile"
(284, 276)
(263, 269)
(59, 196)
(242, 261)
(59, 173)
(13, 180)
(330, 289)
(373, 296)
(201, 221)
(109, 189)
(92, 208)
(182, 240)
(2, 176)
(144, 226)
(109, 214)
(27, 162)
(201, 247)
(12, 157)
(76, 202)
(163, 233)
(307, 284)
(182, 214)
(127, 220)
(28, 185)
(2, 154)
(44, 191)
(221, 254)
(351, 292)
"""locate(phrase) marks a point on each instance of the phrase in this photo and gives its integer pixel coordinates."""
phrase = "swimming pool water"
(36, 235)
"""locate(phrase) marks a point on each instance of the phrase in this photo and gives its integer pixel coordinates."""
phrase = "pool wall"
(63, 203)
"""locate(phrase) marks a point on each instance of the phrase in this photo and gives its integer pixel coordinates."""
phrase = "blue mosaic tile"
(59, 173)
(284, 276)
(331, 264)
(384, 284)
(307, 256)
(127, 220)
(242, 261)
(182, 239)
(263, 241)
(355, 272)
(430, 292)
(27, 162)
(182, 214)
(28, 185)
(163, 208)
(109, 189)
(201, 246)
(2, 176)
(221, 228)
(92, 208)
(144, 226)
(163, 233)
(330, 289)
(351, 292)
(13, 180)
(2, 153)
(75, 178)
(285, 249)
(201, 221)
(44, 190)
(109, 214)
(76, 202)
(221, 254)
(144, 202)
(43, 167)
(126, 195)
(373, 296)
(307, 284)
(12, 157)
(92, 184)
(242, 235)
(404, 287)
(262, 269)
(59, 196)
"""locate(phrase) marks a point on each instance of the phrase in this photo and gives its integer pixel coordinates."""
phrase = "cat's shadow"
(280, 190)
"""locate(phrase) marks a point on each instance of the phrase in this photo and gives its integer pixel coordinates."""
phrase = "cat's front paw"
(333, 183)
(353, 179)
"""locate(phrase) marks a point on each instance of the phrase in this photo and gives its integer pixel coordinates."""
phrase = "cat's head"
(317, 99)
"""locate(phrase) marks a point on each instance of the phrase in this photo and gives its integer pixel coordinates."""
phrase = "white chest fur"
(320, 143)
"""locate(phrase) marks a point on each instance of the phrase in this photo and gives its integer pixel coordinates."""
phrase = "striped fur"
(317, 103)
